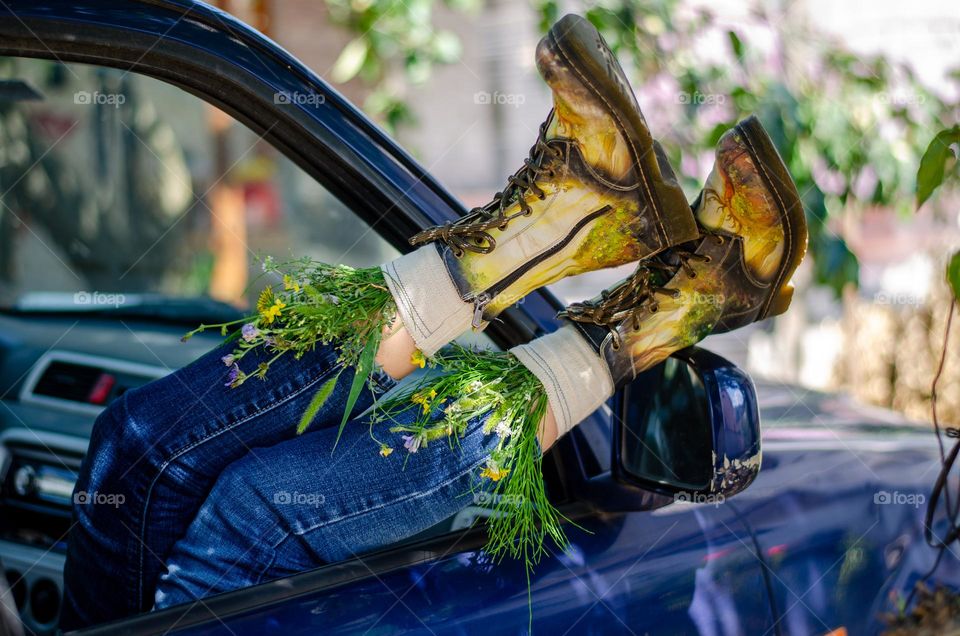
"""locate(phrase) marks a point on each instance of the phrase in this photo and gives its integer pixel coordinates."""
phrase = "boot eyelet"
(654, 309)
(693, 274)
(528, 212)
(615, 346)
(541, 196)
(458, 253)
(707, 259)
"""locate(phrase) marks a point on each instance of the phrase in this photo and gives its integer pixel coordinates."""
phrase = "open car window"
(116, 183)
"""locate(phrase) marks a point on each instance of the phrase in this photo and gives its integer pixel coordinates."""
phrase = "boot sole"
(581, 47)
(777, 179)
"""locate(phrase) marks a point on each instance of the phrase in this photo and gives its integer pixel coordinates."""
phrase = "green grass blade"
(319, 399)
(363, 371)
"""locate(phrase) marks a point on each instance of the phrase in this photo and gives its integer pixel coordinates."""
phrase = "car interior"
(130, 212)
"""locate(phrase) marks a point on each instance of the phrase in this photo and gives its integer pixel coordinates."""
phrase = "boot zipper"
(481, 300)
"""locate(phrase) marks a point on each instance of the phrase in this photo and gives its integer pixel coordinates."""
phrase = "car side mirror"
(686, 430)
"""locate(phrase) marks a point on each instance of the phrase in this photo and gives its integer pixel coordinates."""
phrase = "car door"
(682, 569)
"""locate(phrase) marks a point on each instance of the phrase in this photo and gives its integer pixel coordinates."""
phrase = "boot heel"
(780, 302)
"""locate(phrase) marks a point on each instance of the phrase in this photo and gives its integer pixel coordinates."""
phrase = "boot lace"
(472, 231)
(637, 295)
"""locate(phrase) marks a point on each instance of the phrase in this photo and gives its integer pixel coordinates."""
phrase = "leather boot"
(595, 192)
(754, 236)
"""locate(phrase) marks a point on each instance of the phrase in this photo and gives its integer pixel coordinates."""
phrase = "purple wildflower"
(228, 360)
(233, 376)
(249, 332)
(411, 443)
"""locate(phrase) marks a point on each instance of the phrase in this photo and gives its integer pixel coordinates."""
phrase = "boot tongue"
(659, 277)
(600, 142)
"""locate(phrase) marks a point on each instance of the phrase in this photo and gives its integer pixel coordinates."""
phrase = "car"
(674, 526)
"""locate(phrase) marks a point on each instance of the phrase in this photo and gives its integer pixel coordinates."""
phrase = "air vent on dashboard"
(79, 381)
(74, 382)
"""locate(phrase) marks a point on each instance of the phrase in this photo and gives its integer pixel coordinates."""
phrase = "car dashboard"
(57, 373)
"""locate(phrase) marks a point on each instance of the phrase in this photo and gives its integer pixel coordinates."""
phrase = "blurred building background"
(869, 82)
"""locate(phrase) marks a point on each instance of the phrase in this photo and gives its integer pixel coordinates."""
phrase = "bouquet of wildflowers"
(495, 385)
(315, 304)
(318, 303)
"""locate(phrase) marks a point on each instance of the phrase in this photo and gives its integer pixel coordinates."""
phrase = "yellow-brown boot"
(595, 192)
(738, 272)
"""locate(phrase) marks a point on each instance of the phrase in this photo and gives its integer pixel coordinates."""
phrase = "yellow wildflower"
(385, 451)
(417, 359)
(265, 299)
(274, 311)
(494, 473)
(289, 284)
(423, 399)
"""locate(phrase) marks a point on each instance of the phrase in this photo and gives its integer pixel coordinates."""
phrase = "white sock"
(576, 379)
(427, 300)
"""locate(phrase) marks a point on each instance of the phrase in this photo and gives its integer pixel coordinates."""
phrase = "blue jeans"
(214, 491)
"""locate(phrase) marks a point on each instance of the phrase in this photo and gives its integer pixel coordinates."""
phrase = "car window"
(114, 183)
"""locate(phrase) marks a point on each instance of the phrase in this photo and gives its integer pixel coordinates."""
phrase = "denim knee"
(241, 502)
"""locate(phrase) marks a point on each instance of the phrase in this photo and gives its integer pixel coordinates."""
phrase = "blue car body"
(811, 546)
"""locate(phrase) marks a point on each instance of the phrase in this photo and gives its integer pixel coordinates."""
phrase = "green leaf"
(953, 274)
(351, 60)
(360, 376)
(931, 172)
(717, 132)
(319, 399)
(736, 44)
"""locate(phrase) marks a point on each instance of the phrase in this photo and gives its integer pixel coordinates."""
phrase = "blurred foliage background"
(852, 129)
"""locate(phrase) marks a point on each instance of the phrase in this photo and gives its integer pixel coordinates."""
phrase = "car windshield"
(121, 192)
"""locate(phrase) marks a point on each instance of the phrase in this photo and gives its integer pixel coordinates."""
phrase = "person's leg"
(262, 523)
(302, 507)
(161, 447)
(579, 190)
